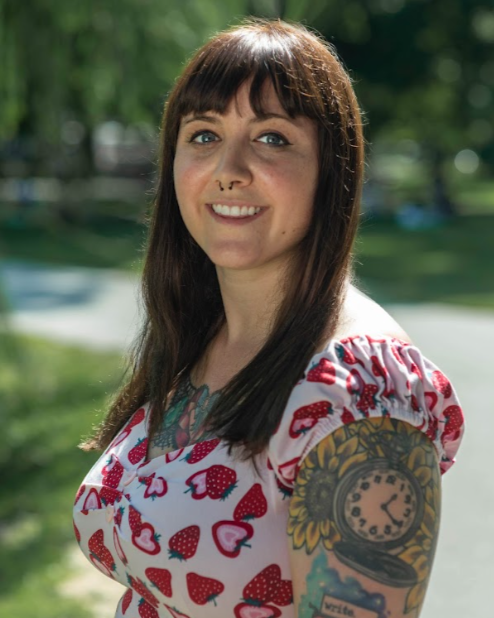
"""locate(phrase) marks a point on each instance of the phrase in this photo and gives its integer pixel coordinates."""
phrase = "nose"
(233, 169)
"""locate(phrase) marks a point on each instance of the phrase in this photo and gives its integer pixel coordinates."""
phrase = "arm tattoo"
(369, 495)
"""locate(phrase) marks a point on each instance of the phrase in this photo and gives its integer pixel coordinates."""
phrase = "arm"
(363, 522)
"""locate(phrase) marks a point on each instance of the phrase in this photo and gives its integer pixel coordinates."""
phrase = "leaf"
(299, 535)
(350, 462)
(422, 567)
(332, 538)
(325, 450)
(415, 597)
(428, 522)
(348, 448)
(423, 475)
(417, 458)
(411, 554)
(312, 536)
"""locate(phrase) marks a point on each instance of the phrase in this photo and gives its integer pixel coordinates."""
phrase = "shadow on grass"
(47, 405)
(452, 263)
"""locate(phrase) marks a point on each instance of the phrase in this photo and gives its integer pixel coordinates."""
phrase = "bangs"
(218, 72)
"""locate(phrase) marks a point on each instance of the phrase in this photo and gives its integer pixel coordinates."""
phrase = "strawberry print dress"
(196, 533)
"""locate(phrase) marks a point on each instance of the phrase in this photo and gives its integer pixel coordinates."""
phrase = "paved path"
(99, 309)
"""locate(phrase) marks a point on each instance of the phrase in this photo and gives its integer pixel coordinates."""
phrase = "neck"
(251, 301)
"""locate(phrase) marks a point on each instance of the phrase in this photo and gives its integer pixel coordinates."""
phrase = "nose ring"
(222, 188)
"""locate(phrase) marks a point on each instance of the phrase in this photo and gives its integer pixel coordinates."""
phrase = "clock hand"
(384, 507)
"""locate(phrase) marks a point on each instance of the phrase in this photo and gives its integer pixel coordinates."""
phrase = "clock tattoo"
(368, 533)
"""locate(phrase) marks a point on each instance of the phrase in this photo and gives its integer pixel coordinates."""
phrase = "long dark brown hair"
(182, 299)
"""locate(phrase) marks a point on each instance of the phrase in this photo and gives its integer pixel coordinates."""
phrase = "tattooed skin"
(184, 419)
(364, 519)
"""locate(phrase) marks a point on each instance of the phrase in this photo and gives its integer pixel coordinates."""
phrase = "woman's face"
(245, 185)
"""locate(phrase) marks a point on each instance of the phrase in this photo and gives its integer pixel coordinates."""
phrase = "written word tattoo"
(369, 497)
(185, 416)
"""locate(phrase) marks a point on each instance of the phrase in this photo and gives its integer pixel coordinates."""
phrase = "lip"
(234, 220)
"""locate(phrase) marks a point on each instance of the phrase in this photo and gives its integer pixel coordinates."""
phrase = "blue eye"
(203, 137)
(273, 139)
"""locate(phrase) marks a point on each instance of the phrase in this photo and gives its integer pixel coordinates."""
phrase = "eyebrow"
(215, 119)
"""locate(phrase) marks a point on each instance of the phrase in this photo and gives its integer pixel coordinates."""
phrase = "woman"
(278, 448)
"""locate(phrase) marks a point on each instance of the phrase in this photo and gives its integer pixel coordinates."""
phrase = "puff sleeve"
(362, 377)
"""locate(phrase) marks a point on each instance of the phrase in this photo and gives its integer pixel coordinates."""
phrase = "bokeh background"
(82, 87)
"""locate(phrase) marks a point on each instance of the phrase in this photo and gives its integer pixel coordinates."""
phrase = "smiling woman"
(277, 449)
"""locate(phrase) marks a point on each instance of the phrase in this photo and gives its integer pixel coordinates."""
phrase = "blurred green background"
(82, 87)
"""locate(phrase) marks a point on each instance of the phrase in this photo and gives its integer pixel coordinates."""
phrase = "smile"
(235, 211)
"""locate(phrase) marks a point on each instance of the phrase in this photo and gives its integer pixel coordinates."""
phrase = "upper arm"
(363, 522)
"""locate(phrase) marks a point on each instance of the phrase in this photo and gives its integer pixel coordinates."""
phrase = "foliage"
(50, 399)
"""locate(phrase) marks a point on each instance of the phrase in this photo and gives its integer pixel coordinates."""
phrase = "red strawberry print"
(172, 455)
(354, 382)
(217, 482)
(118, 516)
(324, 372)
(347, 417)
(100, 552)
(372, 340)
(137, 418)
(156, 486)
(430, 399)
(289, 470)
(135, 521)
(201, 450)
(108, 495)
(118, 547)
(416, 370)
(139, 451)
(161, 578)
(285, 491)
(147, 540)
(414, 403)
(441, 383)
(454, 420)
(197, 485)
(112, 472)
(264, 587)
(202, 590)
(174, 612)
(146, 610)
(252, 505)
(77, 533)
(231, 536)
(126, 600)
(307, 416)
(378, 370)
(246, 610)
(346, 356)
(397, 353)
(92, 501)
(432, 429)
(81, 490)
(284, 594)
(367, 399)
(183, 544)
(141, 589)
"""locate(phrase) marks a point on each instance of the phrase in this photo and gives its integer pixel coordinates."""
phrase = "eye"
(273, 139)
(203, 137)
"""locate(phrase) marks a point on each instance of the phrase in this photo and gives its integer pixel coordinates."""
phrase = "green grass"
(51, 396)
(451, 263)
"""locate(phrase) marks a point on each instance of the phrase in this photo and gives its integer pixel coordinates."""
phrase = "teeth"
(235, 211)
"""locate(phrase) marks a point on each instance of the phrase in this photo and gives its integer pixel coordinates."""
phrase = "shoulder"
(362, 315)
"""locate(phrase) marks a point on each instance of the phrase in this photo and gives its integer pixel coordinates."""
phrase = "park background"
(82, 88)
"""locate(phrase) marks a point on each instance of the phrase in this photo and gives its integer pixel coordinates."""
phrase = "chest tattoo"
(185, 416)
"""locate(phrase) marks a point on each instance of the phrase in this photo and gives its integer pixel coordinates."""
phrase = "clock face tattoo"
(378, 504)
